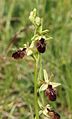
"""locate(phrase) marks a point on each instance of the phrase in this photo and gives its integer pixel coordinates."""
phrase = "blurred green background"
(16, 77)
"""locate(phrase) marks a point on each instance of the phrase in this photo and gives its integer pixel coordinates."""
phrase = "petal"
(45, 76)
(32, 44)
(54, 85)
(45, 112)
(43, 87)
(29, 52)
(48, 106)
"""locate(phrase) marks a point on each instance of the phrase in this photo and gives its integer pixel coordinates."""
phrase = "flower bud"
(38, 21)
(41, 45)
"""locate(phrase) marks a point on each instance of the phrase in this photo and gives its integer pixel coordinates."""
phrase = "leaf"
(43, 87)
(45, 76)
(54, 85)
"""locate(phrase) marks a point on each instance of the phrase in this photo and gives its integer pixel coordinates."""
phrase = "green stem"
(37, 3)
(35, 91)
(41, 77)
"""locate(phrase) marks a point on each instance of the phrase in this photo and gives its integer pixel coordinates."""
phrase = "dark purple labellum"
(41, 45)
(56, 115)
(51, 93)
(53, 114)
(19, 54)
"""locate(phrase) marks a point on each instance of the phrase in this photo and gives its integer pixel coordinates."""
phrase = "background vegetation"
(16, 77)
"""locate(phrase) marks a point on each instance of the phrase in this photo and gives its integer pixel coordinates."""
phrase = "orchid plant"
(37, 47)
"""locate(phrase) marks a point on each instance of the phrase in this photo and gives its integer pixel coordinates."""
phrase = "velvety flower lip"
(56, 115)
(19, 54)
(51, 93)
(41, 45)
(53, 114)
